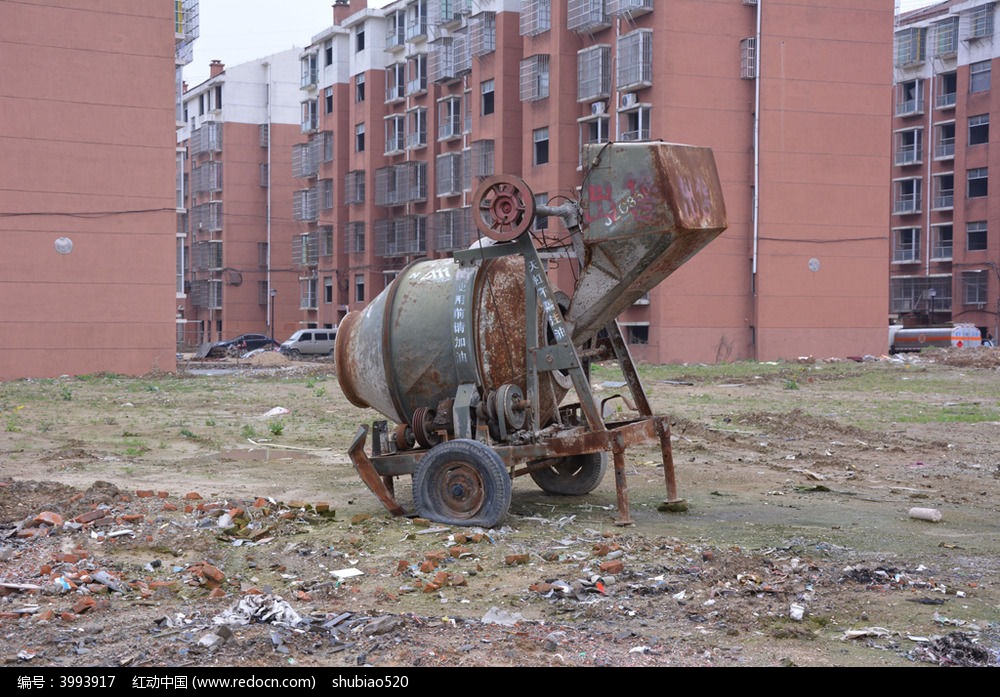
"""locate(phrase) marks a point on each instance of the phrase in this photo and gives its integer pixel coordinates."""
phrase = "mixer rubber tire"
(462, 482)
(575, 475)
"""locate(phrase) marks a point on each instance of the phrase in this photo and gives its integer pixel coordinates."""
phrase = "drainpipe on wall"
(756, 179)
(267, 215)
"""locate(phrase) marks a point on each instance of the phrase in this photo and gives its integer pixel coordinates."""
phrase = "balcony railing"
(944, 199)
(944, 149)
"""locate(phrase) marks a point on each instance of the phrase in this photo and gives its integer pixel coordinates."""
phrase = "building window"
(919, 293)
(979, 76)
(307, 293)
(359, 138)
(748, 58)
(540, 138)
(326, 194)
(536, 17)
(635, 59)
(395, 82)
(635, 123)
(941, 242)
(535, 78)
(395, 134)
(906, 196)
(978, 182)
(910, 97)
(974, 287)
(328, 289)
(944, 191)
(482, 158)
(417, 66)
(981, 21)
(359, 37)
(417, 137)
(593, 73)
(636, 333)
(359, 288)
(975, 236)
(910, 46)
(944, 141)
(947, 90)
(310, 70)
(328, 54)
(450, 118)
(484, 33)
(326, 240)
(328, 99)
(356, 235)
(946, 37)
(595, 130)
(905, 245)
(449, 174)
(979, 129)
(359, 87)
(487, 90)
(310, 115)
(354, 186)
(909, 146)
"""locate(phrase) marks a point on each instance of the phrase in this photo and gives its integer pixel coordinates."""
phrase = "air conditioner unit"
(597, 108)
(628, 100)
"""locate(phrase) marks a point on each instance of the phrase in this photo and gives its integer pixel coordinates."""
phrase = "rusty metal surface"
(647, 209)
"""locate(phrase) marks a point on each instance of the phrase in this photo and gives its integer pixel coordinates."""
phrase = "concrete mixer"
(471, 358)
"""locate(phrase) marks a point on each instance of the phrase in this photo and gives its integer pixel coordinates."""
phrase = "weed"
(276, 428)
(66, 392)
(210, 422)
(321, 392)
(791, 384)
(14, 419)
(248, 431)
(188, 433)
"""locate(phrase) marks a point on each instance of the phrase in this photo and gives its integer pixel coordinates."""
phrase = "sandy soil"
(177, 520)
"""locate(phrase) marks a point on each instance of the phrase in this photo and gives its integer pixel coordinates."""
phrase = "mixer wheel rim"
(462, 482)
(575, 475)
(506, 207)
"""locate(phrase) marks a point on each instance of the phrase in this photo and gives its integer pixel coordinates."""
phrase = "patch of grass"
(248, 431)
(210, 422)
(276, 428)
(188, 433)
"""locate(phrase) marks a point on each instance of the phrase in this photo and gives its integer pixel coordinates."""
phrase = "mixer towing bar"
(483, 404)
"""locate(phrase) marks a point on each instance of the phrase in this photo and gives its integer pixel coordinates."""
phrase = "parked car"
(310, 342)
(242, 344)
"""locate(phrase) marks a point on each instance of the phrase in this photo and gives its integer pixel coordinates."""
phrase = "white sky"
(237, 31)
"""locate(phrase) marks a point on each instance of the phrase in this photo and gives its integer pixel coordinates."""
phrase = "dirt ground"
(212, 518)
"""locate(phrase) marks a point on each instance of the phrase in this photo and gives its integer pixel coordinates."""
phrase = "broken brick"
(48, 518)
(132, 517)
(428, 566)
(45, 616)
(615, 566)
(431, 587)
(192, 496)
(515, 559)
(162, 494)
(84, 604)
(167, 506)
(90, 516)
(441, 578)
(458, 551)
(540, 587)
(144, 493)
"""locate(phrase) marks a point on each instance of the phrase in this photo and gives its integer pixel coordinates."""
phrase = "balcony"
(908, 155)
(944, 200)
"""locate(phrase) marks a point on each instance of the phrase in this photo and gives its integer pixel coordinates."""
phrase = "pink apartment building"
(422, 99)
(945, 255)
(87, 215)
(289, 210)
(237, 218)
